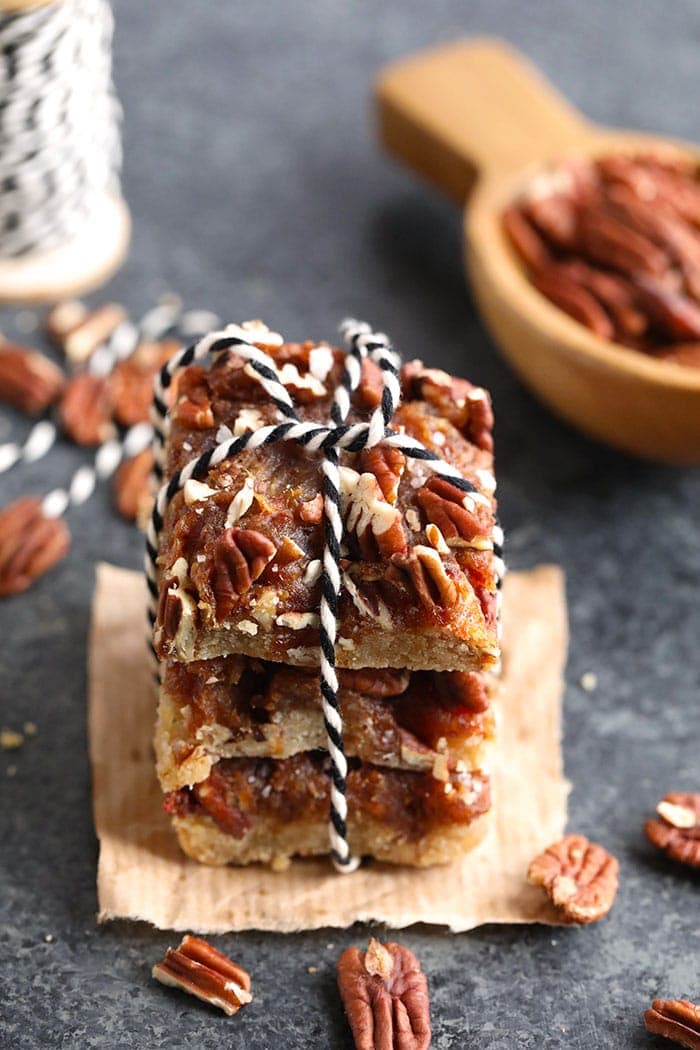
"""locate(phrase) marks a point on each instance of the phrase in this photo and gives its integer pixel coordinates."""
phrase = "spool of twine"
(64, 227)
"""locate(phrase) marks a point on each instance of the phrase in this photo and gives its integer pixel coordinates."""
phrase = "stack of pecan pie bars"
(240, 738)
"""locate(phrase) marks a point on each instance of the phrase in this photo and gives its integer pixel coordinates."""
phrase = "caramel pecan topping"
(86, 409)
(578, 876)
(426, 571)
(387, 464)
(375, 681)
(240, 558)
(385, 995)
(30, 544)
(28, 380)
(676, 1019)
(370, 388)
(375, 526)
(467, 407)
(677, 832)
(454, 512)
(132, 491)
(199, 969)
(132, 381)
(312, 511)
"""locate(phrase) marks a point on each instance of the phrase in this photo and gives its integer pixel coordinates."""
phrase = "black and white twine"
(330, 439)
(60, 150)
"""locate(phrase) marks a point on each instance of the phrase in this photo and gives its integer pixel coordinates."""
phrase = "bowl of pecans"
(582, 243)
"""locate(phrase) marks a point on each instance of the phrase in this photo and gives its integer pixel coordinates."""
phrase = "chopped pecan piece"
(677, 833)
(374, 524)
(467, 407)
(454, 512)
(86, 409)
(80, 331)
(387, 464)
(425, 568)
(131, 487)
(676, 1019)
(132, 381)
(371, 384)
(312, 511)
(579, 877)
(240, 558)
(28, 380)
(385, 995)
(199, 969)
(30, 544)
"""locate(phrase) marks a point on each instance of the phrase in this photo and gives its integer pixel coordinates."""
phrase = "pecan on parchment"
(578, 876)
(199, 969)
(677, 832)
(131, 486)
(385, 995)
(240, 557)
(30, 544)
(28, 380)
(85, 409)
(676, 1019)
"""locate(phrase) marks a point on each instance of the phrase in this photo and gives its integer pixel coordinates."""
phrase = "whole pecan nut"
(132, 485)
(677, 832)
(387, 464)
(579, 877)
(28, 380)
(199, 969)
(676, 1019)
(454, 512)
(385, 995)
(240, 558)
(86, 409)
(426, 571)
(30, 544)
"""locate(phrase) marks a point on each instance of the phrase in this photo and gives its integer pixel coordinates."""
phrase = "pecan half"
(525, 238)
(387, 464)
(578, 876)
(375, 526)
(28, 380)
(676, 1019)
(677, 833)
(371, 384)
(385, 995)
(240, 558)
(454, 512)
(199, 969)
(426, 571)
(375, 681)
(131, 487)
(556, 284)
(132, 381)
(86, 409)
(30, 544)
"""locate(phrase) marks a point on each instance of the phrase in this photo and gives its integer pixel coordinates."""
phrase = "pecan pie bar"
(239, 558)
(267, 810)
(234, 706)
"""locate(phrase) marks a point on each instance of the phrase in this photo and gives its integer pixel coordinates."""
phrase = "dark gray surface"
(257, 190)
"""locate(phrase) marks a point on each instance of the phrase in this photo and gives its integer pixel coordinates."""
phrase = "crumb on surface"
(10, 740)
(11, 770)
(29, 729)
(49, 938)
(312, 969)
(589, 681)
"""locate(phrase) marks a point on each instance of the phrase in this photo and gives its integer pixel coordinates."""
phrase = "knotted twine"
(330, 438)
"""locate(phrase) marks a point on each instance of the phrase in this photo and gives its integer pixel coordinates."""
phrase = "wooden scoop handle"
(474, 106)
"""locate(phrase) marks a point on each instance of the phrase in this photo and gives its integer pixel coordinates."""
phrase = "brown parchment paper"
(143, 875)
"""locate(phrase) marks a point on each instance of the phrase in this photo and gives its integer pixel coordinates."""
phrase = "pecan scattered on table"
(30, 544)
(132, 485)
(85, 409)
(28, 379)
(615, 244)
(199, 969)
(385, 995)
(676, 1019)
(578, 876)
(132, 381)
(677, 832)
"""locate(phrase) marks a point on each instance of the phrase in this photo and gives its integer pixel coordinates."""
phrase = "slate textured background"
(257, 190)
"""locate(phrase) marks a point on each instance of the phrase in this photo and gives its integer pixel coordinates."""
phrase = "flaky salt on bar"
(240, 554)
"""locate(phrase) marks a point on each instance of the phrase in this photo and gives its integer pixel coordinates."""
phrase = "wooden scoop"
(479, 122)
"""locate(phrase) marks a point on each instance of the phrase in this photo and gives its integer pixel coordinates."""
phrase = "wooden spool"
(83, 263)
